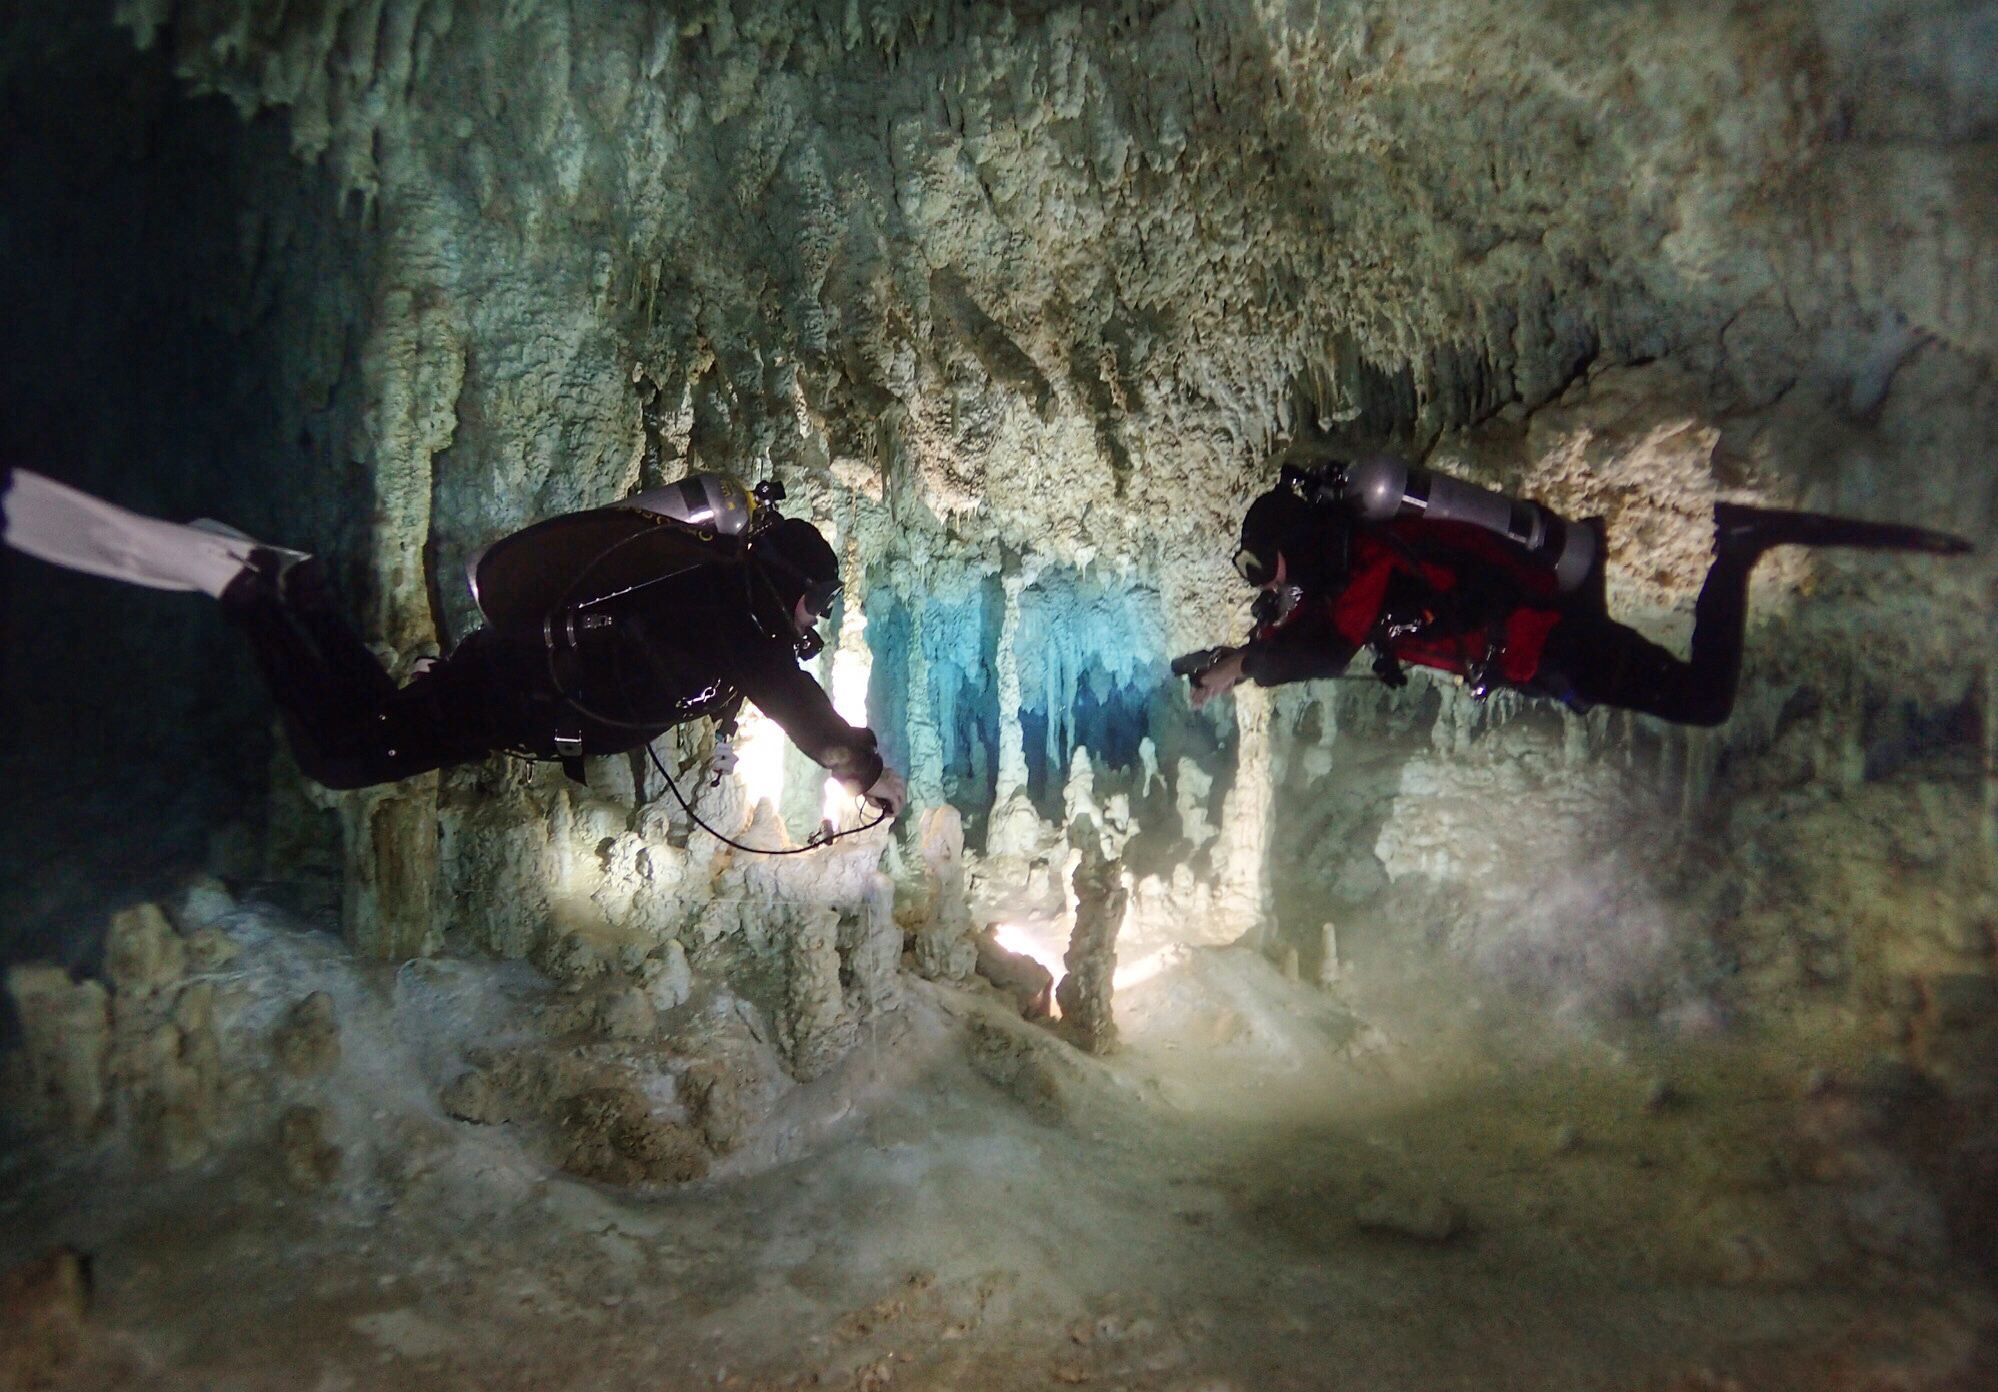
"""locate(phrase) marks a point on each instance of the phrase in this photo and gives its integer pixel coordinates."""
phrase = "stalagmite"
(1078, 794)
(870, 944)
(1084, 994)
(389, 910)
(944, 947)
(56, 1078)
(817, 1027)
(1194, 784)
(1026, 982)
(1243, 893)
(1331, 971)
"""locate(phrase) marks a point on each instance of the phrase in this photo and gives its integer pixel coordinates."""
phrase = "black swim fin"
(1739, 527)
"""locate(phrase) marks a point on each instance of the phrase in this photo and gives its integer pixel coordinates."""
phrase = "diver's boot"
(1739, 529)
(295, 579)
(259, 584)
(288, 562)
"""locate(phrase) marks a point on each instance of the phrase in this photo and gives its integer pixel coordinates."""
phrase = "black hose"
(566, 606)
(816, 840)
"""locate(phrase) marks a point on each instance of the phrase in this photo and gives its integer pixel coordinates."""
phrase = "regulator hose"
(821, 837)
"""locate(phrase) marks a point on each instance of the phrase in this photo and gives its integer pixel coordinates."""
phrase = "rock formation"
(1087, 1017)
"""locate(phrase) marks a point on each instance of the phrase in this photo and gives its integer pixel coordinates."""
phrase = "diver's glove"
(888, 792)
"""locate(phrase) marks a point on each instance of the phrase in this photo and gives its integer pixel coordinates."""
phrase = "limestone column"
(926, 757)
(1014, 827)
(1991, 755)
(413, 368)
(1091, 959)
(1242, 895)
(1012, 772)
(817, 1029)
(851, 668)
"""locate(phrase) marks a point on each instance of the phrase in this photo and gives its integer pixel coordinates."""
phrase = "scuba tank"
(1381, 488)
(707, 502)
(565, 585)
(590, 556)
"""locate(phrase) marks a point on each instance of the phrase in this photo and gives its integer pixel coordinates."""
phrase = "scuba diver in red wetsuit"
(1429, 571)
(604, 629)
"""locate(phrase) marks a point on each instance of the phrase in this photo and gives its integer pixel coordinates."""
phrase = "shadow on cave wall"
(178, 292)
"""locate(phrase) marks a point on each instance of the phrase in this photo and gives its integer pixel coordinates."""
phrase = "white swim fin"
(72, 529)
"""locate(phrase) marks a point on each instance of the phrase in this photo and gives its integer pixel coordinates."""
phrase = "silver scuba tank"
(708, 502)
(521, 577)
(1381, 488)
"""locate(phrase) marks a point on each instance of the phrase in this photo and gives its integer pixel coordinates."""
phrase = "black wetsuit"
(1451, 596)
(692, 642)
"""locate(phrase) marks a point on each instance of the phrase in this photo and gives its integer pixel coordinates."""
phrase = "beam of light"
(1142, 970)
(759, 747)
(1042, 948)
(852, 666)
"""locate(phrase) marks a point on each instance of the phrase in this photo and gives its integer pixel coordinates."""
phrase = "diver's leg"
(349, 725)
(1704, 693)
(1596, 661)
(306, 594)
(327, 713)
(320, 669)
(1605, 663)
(1608, 664)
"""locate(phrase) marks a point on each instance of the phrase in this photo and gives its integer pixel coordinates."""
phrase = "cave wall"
(183, 301)
(1020, 300)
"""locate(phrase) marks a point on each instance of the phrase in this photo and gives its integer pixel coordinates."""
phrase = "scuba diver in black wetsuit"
(1430, 571)
(604, 629)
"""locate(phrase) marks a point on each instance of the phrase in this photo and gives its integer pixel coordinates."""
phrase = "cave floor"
(1183, 1217)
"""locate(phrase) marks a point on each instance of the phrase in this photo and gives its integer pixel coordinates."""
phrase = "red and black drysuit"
(605, 629)
(1455, 597)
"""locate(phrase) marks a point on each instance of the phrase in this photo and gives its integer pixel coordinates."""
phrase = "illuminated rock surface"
(1648, 1058)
